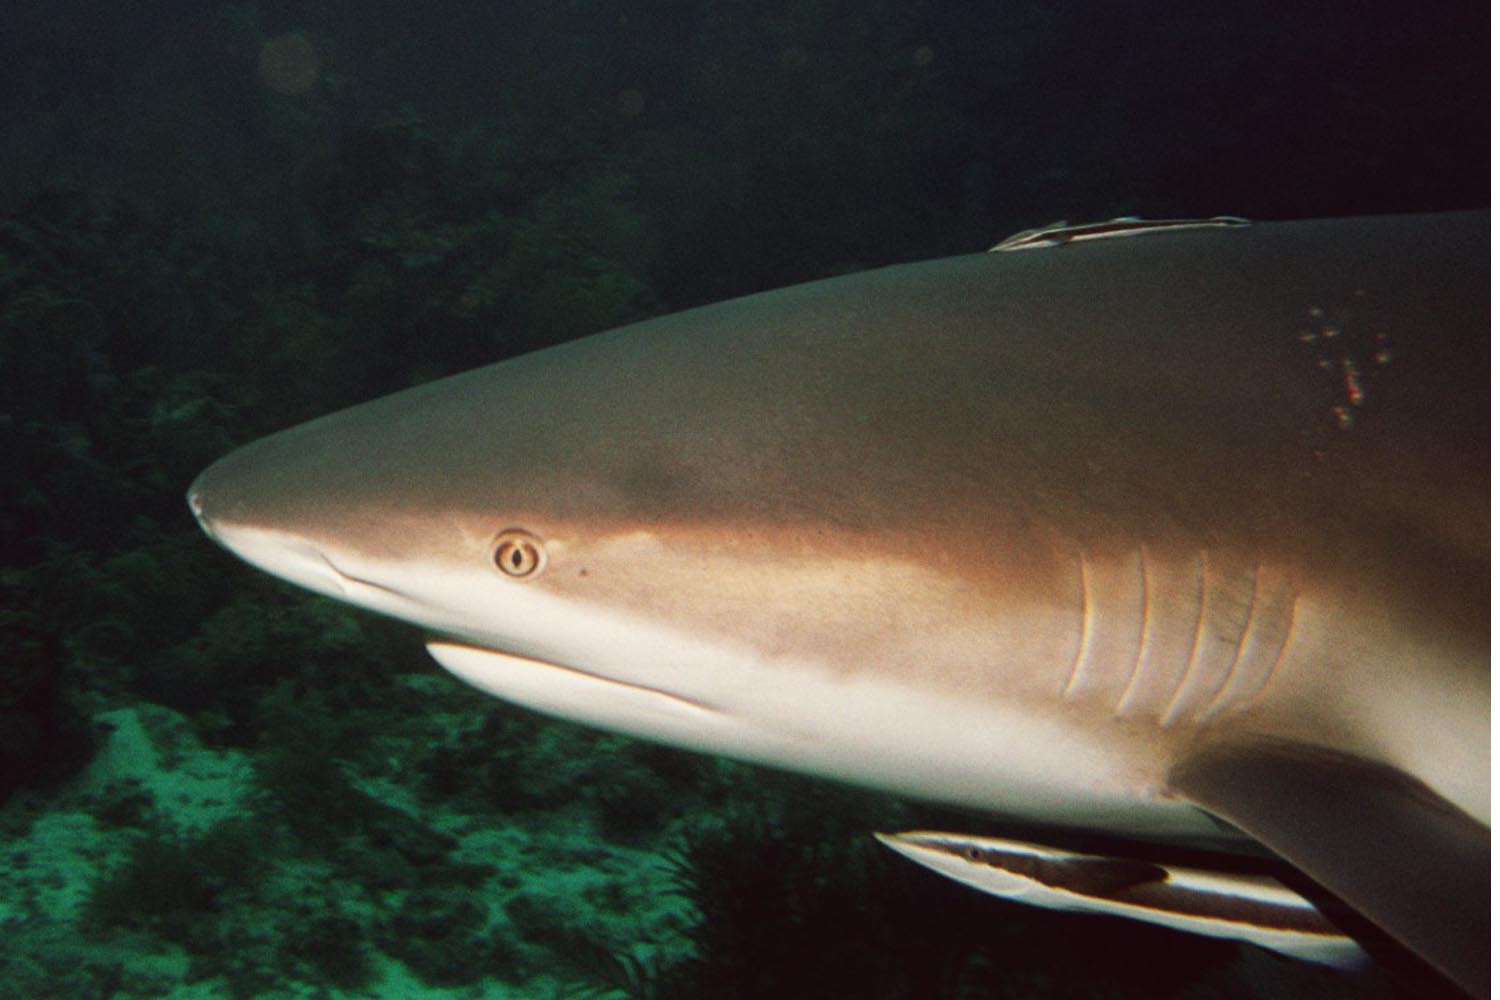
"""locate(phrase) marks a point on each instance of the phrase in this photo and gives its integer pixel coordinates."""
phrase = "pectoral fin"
(1383, 842)
(1244, 907)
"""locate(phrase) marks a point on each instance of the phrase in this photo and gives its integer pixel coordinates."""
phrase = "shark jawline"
(457, 642)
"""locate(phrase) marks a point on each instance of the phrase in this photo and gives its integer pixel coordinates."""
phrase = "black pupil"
(517, 556)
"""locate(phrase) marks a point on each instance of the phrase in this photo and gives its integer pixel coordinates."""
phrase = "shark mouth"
(569, 692)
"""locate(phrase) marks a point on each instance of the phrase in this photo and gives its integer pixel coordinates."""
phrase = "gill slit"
(1141, 642)
(1086, 631)
(1213, 706)
(1281, 654)
(1170, 714)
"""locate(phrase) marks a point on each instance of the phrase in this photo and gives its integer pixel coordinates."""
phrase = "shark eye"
(518, 553)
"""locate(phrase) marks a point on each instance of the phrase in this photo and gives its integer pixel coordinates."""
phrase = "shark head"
(628, 532)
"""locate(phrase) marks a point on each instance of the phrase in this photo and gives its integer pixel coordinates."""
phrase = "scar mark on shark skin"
(1085, 632)
(1143, 641)
(1170, 714)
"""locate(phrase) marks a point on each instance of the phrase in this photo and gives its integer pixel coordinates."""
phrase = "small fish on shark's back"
(1175, 531)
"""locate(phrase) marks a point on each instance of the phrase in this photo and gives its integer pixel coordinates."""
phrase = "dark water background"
(216, 220)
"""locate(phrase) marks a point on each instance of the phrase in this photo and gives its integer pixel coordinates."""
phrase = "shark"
(1174, 531)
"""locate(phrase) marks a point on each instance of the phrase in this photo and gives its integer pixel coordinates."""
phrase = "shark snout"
(195, 504)
(216, 501)
(217, 495)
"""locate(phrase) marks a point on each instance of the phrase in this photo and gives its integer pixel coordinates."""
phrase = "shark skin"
(1129, 535)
